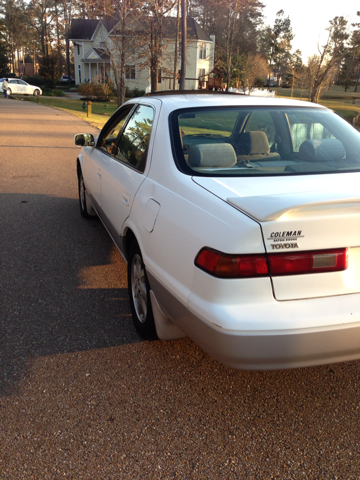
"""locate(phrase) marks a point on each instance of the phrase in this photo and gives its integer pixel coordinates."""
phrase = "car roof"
(194, 98)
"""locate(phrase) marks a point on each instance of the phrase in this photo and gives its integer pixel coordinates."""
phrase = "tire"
(139, 294)
(82, 197)
(36, 92)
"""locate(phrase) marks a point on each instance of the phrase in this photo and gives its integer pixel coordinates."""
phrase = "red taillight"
(224, 265)
(318, 261)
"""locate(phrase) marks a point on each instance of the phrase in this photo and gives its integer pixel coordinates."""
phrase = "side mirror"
(84, 140)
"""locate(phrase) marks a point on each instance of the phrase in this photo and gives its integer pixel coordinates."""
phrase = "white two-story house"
(95, 51)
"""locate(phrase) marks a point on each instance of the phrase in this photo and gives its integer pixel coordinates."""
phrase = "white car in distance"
(20, 87)
(239, 218)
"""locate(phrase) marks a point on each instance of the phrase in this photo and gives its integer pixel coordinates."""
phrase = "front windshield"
(242, 141)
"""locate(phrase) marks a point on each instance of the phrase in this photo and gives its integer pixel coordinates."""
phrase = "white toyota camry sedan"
(239, 218)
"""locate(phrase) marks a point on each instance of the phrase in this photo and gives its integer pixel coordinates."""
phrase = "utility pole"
(183, 44)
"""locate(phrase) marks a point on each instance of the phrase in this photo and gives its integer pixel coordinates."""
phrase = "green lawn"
(346, 104)
(101, 111)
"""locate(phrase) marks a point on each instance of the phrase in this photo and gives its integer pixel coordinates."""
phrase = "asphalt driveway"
(83, 397)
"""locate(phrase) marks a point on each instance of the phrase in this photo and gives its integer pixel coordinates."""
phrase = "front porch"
(95, 67)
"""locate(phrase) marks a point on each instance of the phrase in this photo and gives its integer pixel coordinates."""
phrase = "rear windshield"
(238, 141)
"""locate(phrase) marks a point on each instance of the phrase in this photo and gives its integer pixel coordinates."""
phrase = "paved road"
(82, 397)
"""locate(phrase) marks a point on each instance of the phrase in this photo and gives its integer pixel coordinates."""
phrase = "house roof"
(96, 54)
(102, 53)
(83, 29)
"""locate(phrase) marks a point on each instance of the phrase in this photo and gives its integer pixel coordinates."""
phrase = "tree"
(235, 24)
(41, 15)
(4, 60)
(183, 44)
(275, 43)
(177, 36)
(252, 71)
(153, 14)
(14, 27)
(329, 56)
(49, 69)
(346, 74)
(123, 41)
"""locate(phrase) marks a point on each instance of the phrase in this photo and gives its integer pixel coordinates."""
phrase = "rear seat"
(211, 156)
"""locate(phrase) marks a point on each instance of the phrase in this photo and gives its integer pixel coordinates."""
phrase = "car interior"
(233, 141)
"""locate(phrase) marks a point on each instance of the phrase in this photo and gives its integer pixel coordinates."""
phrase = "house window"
(102, 44)
(159, 75)
(201, 72)
(203, 54)
(79, 74)
(130, 48)
(78, 49)
(130, 72)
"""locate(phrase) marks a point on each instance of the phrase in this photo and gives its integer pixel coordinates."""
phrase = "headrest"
(252, 143)
(327, 149)
(212, 155)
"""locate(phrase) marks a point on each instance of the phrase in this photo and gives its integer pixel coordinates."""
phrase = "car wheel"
(36, 92)
(9, 92)
(82, 198)
(139, 294)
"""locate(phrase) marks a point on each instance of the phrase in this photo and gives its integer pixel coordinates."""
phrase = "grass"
(346, 104)
(101, 111)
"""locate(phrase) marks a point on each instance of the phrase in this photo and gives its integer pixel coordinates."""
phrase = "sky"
(309, 19)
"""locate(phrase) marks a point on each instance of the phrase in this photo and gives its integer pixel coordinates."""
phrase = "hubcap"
(138, 288)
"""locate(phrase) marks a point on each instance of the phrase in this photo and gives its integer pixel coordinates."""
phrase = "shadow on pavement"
(63, 284)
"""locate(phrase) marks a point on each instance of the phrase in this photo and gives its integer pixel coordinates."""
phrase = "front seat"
(254, 147)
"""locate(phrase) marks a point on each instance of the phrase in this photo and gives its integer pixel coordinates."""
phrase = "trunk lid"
(301, 213)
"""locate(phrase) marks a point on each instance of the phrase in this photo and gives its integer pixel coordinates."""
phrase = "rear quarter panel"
(189, 218)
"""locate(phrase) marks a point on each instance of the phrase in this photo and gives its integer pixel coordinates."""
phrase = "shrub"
(97, 91)
(85, 89)
(53, 93)
(58, 93)
(138, 93)
(37, 81)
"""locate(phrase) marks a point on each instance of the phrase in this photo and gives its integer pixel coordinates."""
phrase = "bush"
(138, 93)
(96, 91)
(58, 93)
(53, 93)
(37, 81)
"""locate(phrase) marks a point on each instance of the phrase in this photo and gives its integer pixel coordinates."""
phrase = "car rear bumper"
(268, 350)
(250, 330)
